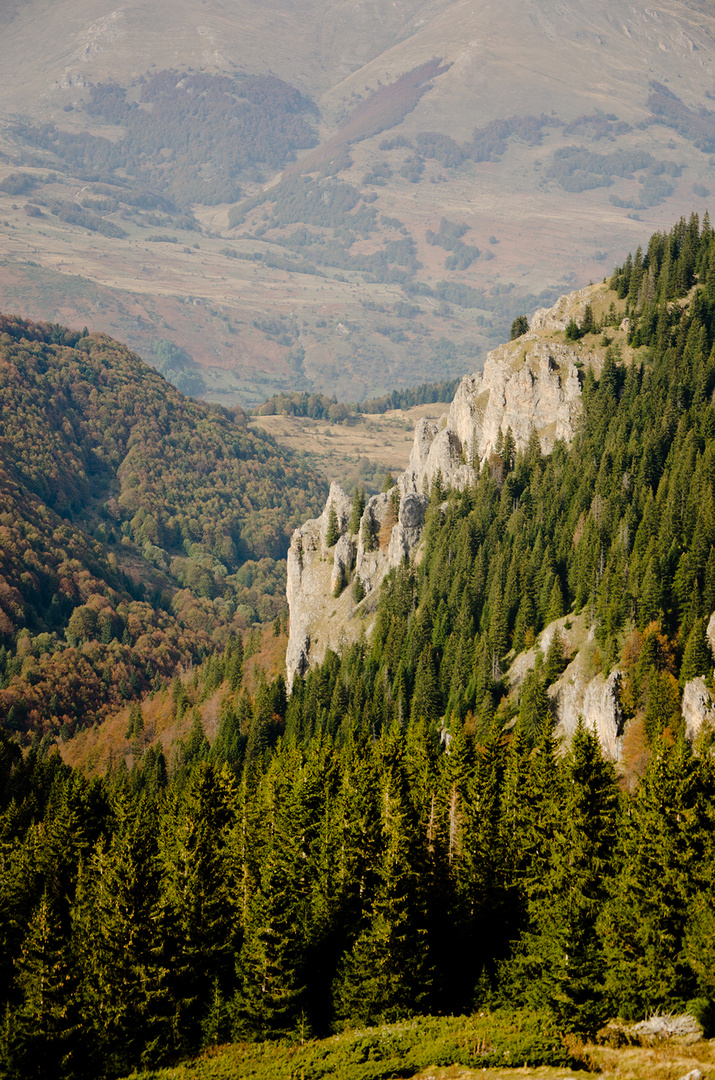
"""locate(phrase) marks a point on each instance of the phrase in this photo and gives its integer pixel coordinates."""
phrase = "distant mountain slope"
(138, 528)
(338, 197)
(570, 56)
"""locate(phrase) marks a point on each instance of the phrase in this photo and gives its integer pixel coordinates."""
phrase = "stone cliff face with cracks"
(322, 615)
(531, 387)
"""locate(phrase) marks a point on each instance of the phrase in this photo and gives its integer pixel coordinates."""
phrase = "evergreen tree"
(559, 961)
(645, 920)
(534, 714)
(198, 916)
(698, 658)
(519, 326)
(357, 511)
(555, 661)
(43, 1026)
(387, 973)
(117, 943)
(333, 534)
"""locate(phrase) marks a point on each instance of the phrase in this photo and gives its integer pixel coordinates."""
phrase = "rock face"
(530, 386)
(710, 633)
(567, 307)
(595, 702)
(698, 709)
(390, 529)
(578, 695)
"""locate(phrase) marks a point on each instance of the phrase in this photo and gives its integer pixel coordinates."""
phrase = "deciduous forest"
(138, 528)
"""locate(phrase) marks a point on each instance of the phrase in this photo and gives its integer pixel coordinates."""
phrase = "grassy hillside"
(139, 528)
(489, 1041)
(492, 1046)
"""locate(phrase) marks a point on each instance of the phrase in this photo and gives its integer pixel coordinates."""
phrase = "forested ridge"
(402, 836)
(138, 528)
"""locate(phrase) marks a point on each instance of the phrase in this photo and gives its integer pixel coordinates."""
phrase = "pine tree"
(555, 661)
(387, 974)
(644, 923)
(556, 602)
(357, 511)
(116, 939)
(198, 914)
(43, 1027)
(468, 925)
(273, 997)
(559, 962)
(333, 534)
(534, 714)
(697, 659)
(699, 936)
(425, 697)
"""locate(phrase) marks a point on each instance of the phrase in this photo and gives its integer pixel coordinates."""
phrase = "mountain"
(530, 387)
(140, 529)
(404, 853)
(338, 199)
(615, 524)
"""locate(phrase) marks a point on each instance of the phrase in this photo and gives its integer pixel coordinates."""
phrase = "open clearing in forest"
(384, 439)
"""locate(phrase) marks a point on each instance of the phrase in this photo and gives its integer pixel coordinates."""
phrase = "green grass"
(397, 1050)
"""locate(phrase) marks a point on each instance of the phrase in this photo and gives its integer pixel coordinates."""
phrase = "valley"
(407, 855)
(549, 151)
(357, 540)
(352, 452)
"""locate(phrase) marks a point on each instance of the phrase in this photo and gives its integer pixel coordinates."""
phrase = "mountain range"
(372, 192)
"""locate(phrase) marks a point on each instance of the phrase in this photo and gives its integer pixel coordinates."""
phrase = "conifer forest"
(398, 837)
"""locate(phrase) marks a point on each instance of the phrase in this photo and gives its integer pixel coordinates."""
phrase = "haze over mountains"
(337, 197)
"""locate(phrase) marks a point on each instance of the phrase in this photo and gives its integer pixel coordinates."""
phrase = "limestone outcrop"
(710, 633)
(567, 307)
(698, 708)
(530, 386)
(578, 695)
(324, 611)
(595, 702)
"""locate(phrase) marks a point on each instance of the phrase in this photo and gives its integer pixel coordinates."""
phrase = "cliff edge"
(530, 386)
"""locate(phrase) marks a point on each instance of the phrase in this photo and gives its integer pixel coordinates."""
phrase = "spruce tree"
(644, 923)
(387, 974)
(333, 534)
(116, 940)
(198, 916)
(555, 660)
(357, 510)
(697, 659)
(559, 962)
(44, 1025)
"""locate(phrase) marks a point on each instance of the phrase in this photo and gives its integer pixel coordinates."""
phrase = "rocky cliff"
(326, 609)
(530, 386)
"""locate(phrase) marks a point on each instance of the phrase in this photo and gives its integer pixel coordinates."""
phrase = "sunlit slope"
(543, 54)
(554, 136)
